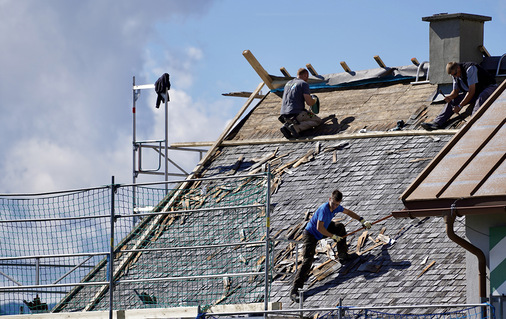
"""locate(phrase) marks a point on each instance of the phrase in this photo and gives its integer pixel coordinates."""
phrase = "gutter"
(482, 261)
(441, 212)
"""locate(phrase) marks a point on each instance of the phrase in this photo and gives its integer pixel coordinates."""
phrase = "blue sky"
(67, 67)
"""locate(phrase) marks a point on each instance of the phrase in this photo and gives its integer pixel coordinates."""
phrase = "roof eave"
(459, 207)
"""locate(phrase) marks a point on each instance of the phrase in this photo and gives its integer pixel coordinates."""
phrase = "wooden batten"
(244, 94)
(311, 69)
(379, 61)
(258, 68)
(483, 51)
(285, 72)
(345, 67)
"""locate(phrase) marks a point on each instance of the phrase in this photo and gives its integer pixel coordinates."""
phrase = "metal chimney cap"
(462, 16)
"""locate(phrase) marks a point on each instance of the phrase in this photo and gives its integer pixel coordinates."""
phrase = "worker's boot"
(430, 126)
(285, 131)
(293, 131)
(294, 295)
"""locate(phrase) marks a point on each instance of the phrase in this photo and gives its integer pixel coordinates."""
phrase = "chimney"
(453, 37)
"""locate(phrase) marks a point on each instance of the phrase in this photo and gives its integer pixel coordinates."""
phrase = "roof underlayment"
(363, 77)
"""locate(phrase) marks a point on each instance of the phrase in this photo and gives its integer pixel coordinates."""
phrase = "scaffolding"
(160, 146)
(202, 245)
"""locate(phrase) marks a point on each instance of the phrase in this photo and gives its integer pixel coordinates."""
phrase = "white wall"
(477, 232)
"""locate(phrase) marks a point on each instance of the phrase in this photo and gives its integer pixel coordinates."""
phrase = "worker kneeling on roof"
(294, 116)
(320, 226)
(472, 85)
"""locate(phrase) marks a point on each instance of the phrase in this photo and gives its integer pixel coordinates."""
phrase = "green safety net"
(201, 246)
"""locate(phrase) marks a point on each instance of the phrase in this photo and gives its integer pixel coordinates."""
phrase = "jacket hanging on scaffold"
(161, 87)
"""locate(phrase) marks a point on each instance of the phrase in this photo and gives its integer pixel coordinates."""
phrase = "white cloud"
(195, 53)
(182, 64)
(65, 87)
(42, 165)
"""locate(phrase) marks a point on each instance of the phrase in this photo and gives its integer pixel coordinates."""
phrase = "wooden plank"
(345, 67)
(264, 159)
(258, 68)
(426, 268)
(294, 230)
(370, 248)
(341, 136)
(280, 169)
(361, 240)
(285, 72)
(243, 94)
(304, 159)
(483, 50)
(237, 164)
(379, 61)
(311, 69)
(322, 264)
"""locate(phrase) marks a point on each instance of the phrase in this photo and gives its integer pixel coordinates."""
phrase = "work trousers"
(309, 249)
(477, 101)
(306, 121)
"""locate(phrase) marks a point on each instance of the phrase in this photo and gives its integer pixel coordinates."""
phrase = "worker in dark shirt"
(472, 85)
(321, 226)
(293, 112)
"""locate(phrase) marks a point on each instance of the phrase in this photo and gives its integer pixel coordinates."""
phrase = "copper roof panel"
(477, 170)
(436, 181)
(495, 184)
(473, 163)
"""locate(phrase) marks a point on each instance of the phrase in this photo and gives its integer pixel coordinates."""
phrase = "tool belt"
(288, 119)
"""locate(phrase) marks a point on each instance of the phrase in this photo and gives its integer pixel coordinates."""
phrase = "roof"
(472, 167)
(358, 152)
(371, 173)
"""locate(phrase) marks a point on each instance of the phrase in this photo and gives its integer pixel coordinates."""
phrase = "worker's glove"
(336, 238)
(365, 223)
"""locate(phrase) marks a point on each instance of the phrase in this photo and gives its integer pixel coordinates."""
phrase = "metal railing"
(499, 66)
(434, 311)
(116, 246)
(420, 68)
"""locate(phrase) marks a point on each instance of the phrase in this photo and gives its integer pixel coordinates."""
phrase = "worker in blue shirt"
(321, 226)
